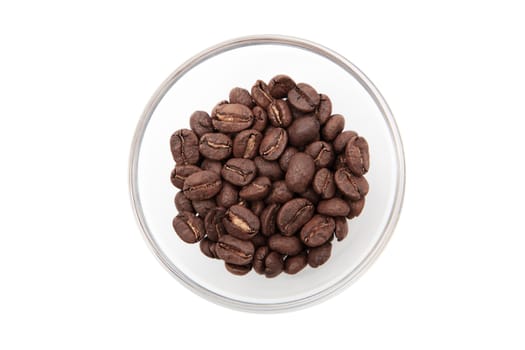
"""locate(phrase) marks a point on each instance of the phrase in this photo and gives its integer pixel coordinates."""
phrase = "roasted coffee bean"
(293, 215)
(261, 118)
(341, 228)
(342, 139)
(202, 207)
(201, 185)
(182, 203)
(213, 223)
(324, 110)
(239, 270)
(269, 218)
(243, 203)
(279, 193)
(322, 152)
(232, 117)
(240, 222)
(357, 156)
(246, 144)
(311, 195)
(205, 246)
(259, 240)
(189, 227)
(181, 172)
(200, 123)
(234, 250)
(333, 207)
(303, 97)
(257, 207)
(280, 85)
(340, 162)
(294, 264)
(273, 144)
(279, 114)
(259, 259)
(213, 165)
(258, 189)
(324, 184)
(300, 173)
(333, 127)
(228, 196)
(215, 146)
(285, 245)
(239, 171)
(184, 147)
(270, 169)
(318, 256)
(241, 96)
(318, 230)
(273, 264)
(214, 109)
(261, 94)
(354, 187)
(286, 156)
(356, 207)
(303, 131)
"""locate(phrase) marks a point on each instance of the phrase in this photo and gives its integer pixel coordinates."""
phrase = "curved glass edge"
(231, 45)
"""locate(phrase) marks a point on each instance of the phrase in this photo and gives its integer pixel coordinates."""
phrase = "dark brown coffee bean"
(279, 114)
(181, 172)
(239, 171)
(239, 270)
(213, 223)
(300, 173)
(228, 196)
(213, 165)
(205, 246)
(318, 256)
(286, 156)
(279, 193)
(200, 123)
(340, 162)
(324, 184)
(273, 264)
(189, 227)
(317, 231)
(241, 96)
(322, 152)
(259, 240)
(333, 127)
(258, 189)
(324, 110)
(257, 207)
(243, 203)
(285, 245)
(303, 97)
(311, 195)
(232, 117)
(356, 208)
(333, 207)
(214, 109)
(354, 187)
(234, 250)
(273, 144)
(270, 169)
(182, 203)
(342, 139)
(202, 207)
(341, 228)
(293, 215)
(240, 222)
(303, 131)
(268, 219)
(294, 264)
(357, 156)
(215, 146)
(201, 185)
(261, 118)
(261, 94)
(184, 146)
(246, 144)
(259, 259)
(280, 85)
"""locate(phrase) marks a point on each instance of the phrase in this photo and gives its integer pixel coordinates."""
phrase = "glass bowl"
(204, 80)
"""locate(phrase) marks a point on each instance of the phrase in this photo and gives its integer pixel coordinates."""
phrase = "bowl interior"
(201, 88)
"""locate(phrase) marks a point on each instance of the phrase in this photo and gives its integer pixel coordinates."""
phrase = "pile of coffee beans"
(268, 179)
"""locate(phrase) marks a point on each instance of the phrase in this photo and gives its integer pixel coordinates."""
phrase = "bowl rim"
(233, 44)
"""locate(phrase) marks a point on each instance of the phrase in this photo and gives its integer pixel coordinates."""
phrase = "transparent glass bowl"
(199, 84)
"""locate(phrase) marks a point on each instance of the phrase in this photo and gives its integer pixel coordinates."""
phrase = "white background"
(75, 272)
